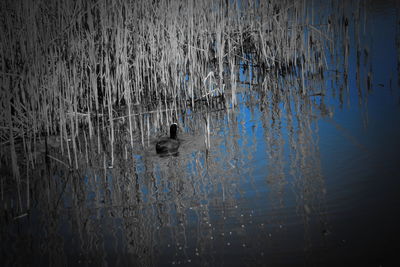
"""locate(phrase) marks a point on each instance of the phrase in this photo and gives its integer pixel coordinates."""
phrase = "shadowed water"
(280, 178)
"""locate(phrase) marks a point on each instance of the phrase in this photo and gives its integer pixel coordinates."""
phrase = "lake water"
(277, 180)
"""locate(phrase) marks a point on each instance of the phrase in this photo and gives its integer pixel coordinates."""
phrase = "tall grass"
(71, 59)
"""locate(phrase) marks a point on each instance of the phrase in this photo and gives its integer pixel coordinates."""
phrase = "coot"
(169, 145)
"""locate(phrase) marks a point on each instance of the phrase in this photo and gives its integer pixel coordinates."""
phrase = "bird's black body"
(169, 145)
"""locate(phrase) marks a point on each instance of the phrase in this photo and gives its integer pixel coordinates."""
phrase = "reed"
(90, 57)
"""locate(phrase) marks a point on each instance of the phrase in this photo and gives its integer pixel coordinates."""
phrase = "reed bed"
(72, 70)
(86, 84)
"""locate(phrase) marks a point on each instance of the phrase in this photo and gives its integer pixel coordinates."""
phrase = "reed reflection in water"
(243, 183)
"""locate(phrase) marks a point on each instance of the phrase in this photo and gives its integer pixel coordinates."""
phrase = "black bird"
(169, 145)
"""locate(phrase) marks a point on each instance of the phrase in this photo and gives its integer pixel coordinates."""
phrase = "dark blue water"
(280, 179)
